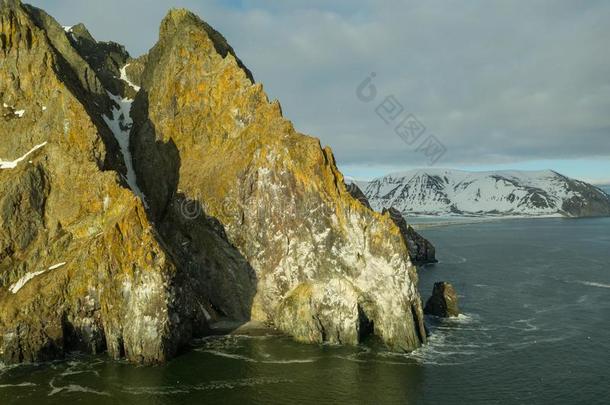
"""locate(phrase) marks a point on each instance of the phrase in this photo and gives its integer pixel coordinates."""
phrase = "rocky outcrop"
(205, 131)
(420, 249)
(443, 302)
(225, 212)
(357, 193)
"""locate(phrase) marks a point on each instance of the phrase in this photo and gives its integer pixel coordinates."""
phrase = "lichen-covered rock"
(240, 218)
(81, 266)
(203, 130)
(421, 249)
(443, 302)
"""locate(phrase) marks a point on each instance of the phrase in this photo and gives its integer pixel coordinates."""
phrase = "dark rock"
(357, 193)
(443, 302)
(420, 249)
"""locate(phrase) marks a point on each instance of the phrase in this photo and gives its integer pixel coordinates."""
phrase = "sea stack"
(443, 302)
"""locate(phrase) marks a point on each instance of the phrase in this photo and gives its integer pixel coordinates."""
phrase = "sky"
(476, 85)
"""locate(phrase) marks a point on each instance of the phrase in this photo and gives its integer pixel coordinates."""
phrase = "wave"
(251, 360)
(233, 336)
(461, 319)
(74, 388)
(212, 385)
(76, 372)
(537, 341)
(529, 326)
(452, 258)
(23, 384)
(592, 284)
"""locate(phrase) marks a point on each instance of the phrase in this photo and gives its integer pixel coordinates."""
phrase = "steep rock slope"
(421, 250)
(326, 267)
(442, 192)
(81, 267)
(226, 212)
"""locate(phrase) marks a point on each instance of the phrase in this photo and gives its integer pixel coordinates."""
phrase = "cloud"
(496, 82)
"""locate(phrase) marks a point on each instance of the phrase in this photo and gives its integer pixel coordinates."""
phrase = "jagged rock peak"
(80, 30)
(325, 266)
(180, 20)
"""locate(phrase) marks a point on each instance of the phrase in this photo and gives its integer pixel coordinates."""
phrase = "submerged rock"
(225, 213)
(443, 302)
(420, 249)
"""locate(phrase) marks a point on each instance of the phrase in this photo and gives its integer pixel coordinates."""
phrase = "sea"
(534, 329)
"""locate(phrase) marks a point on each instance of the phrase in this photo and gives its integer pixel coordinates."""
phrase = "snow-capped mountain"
(455, 192)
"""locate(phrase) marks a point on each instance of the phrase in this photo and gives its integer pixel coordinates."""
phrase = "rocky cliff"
(421, 250)
(81, 265)
(143, 199)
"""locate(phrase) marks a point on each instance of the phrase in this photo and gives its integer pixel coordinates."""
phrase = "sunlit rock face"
(142, 200)
(420, 249)
(206, 131)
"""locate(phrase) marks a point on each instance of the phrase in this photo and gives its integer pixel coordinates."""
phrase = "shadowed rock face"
(243, 218)
(357, 193)
(443, 302)
(420, 249)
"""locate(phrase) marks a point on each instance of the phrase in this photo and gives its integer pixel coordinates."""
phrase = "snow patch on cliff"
(125, 78)
(56, 266)
(6, 164)
(120, 124)
(15, 287)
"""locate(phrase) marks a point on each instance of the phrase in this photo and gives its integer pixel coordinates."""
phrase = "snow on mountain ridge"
(505, 192)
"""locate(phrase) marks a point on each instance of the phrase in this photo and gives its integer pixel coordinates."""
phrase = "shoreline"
(469, 220)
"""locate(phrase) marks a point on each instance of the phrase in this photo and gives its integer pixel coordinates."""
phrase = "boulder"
(443, 302)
